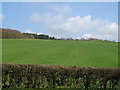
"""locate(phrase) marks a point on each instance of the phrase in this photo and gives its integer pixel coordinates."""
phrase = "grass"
(60, 52)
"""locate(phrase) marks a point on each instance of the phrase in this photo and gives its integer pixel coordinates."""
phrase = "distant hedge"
(43, 76)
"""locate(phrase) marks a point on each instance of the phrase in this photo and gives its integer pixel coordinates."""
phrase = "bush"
(43, 76)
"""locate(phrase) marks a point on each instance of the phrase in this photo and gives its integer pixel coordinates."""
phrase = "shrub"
(43, 76)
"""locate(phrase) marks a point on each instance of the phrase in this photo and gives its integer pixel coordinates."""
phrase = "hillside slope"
(60, 52)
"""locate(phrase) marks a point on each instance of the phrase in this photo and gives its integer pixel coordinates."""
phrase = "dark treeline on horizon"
(41, 36)
(11, 34)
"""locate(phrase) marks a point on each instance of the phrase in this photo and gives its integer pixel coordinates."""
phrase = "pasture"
(60, 52)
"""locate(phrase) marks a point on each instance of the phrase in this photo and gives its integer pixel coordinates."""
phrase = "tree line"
(10, 33)
(41, 36)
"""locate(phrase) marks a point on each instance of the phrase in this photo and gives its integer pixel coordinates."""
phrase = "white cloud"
(2, 16)
(39, 33)
(62, 9)
(62, 25)
(29, 31)
(87, 36)
(47, 18)
(108, 31)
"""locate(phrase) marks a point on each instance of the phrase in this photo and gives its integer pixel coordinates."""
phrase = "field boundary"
(43, 76)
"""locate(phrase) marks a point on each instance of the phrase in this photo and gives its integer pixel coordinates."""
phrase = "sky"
(63, 19)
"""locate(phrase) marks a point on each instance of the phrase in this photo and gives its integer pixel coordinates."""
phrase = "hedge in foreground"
(41, 76)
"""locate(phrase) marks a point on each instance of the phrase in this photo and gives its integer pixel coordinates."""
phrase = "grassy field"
(60, 52)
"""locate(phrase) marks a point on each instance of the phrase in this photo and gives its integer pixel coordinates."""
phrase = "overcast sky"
(63, 19)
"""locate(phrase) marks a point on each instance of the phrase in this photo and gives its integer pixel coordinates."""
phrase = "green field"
(60, 52)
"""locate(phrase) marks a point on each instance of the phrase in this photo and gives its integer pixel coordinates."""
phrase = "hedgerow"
(43, 76)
